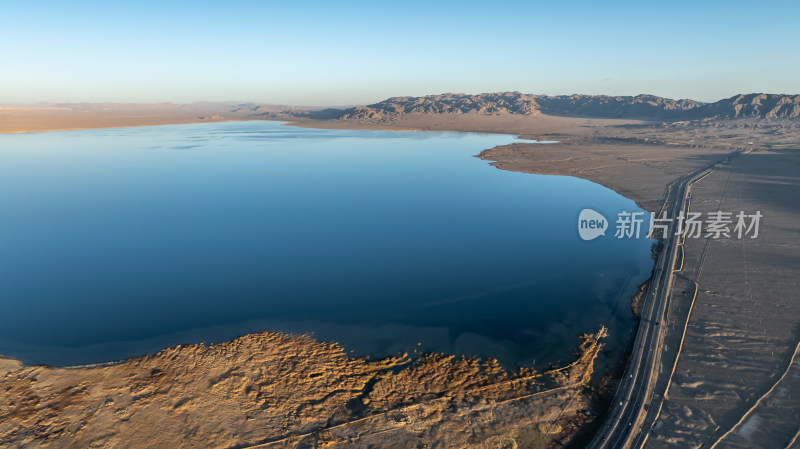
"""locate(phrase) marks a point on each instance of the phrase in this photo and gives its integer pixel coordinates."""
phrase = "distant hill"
(602, 106)
(198, 107)
(755, 105)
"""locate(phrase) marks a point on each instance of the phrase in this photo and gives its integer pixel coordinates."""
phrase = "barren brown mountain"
(641, 107)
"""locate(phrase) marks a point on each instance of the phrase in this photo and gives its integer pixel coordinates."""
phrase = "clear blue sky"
(348, 52)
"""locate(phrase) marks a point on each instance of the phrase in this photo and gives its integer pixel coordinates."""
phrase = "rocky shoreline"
(278, 390)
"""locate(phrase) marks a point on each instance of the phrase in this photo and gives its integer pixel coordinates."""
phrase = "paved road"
(628, 413)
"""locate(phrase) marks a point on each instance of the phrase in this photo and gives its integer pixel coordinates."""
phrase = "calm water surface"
(119, 242)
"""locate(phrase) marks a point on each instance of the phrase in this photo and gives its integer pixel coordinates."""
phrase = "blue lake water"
(118, 242)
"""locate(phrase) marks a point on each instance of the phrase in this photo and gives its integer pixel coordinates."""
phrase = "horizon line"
(351, 105)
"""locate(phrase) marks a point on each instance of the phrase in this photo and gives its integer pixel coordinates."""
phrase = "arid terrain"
(68, 116)
(730, 367)
(737, 379)
(277, 390)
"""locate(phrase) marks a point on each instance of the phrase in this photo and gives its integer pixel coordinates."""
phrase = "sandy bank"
(277, 390)
(38, 119)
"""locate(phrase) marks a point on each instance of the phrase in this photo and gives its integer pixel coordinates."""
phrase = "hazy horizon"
(344, 105)
(324, 54)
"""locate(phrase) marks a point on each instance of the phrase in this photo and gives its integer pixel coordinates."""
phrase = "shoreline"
(121, 126)
(18, 120)
(483, 155)
(590, 377)
(293, 389)
(155, 348)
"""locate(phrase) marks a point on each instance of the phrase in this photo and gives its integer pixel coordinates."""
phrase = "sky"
(325, 53)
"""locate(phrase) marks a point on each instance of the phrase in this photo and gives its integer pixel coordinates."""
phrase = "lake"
(119, 242)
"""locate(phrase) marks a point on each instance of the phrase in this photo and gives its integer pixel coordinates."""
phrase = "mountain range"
(765, 106)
